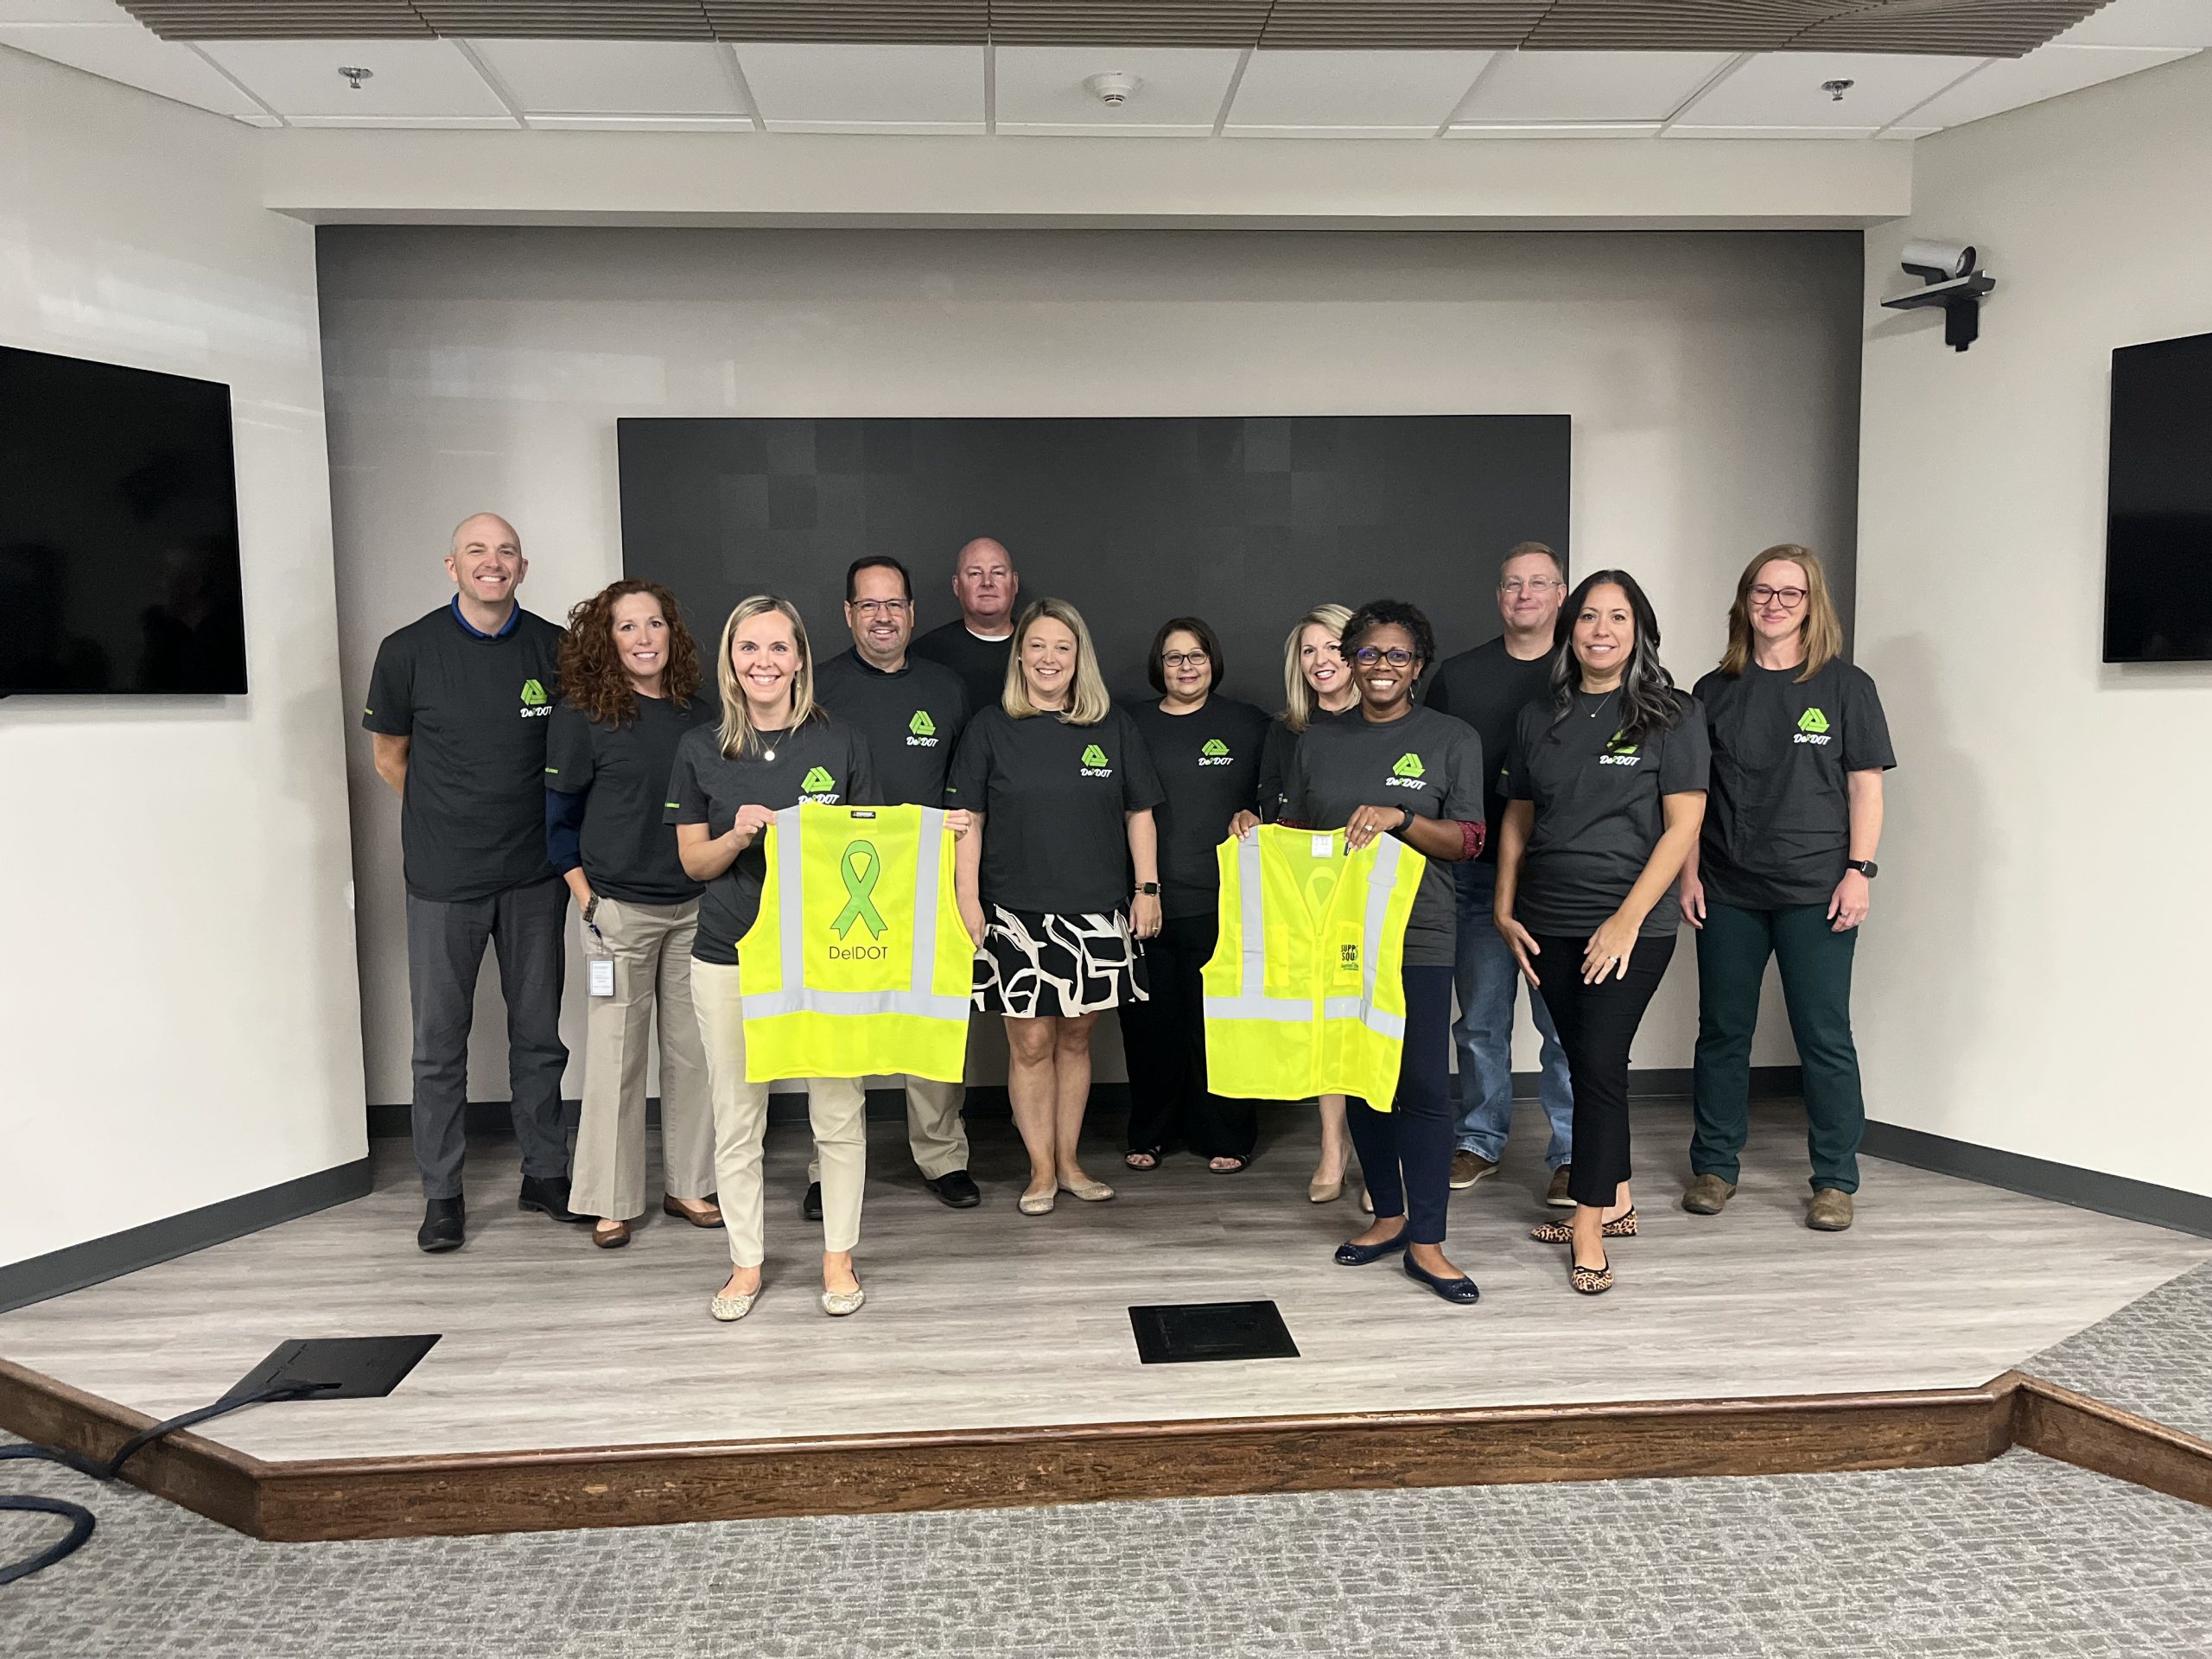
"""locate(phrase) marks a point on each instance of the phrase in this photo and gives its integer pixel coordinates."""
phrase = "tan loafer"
(1555, 1195)
(1830, 1211)
(610, 1235)
(1468, 1167)
(1708, 1195)
(707, 1214)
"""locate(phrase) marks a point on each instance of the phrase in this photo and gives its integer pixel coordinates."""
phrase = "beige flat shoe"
(1366, 1202)
(1089, 1191)
(838, 1303)
(730, 1309)
(1038, 1204)
(1320, 1191)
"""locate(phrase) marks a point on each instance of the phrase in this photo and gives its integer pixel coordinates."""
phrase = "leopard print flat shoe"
(1590, 1281)
(1558, 1232)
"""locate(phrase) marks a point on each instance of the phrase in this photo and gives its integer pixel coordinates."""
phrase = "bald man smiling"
(457, 712)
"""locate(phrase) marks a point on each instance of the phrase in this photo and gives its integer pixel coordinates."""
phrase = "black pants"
(1165, 1042)
(1405, 1154)
(1597, 1026)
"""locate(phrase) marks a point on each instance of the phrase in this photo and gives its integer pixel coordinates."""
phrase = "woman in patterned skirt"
(1062, 788)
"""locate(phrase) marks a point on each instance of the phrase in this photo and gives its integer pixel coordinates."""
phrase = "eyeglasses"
(872, 608)
(1789, 598)
(1184, 659)
(1368, 656)
(1537, 585)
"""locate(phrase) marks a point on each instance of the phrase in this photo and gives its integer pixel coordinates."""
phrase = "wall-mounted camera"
(1948, 270)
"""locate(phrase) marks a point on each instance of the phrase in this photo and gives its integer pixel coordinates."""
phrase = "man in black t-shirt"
(458, 705)
(912, 713)
(976, 644)
(1487, 687)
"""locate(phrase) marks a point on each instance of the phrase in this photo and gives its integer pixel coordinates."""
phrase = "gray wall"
(1712, 379)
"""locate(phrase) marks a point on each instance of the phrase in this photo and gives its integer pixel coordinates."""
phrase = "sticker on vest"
(1325, 846)
(1344, 955)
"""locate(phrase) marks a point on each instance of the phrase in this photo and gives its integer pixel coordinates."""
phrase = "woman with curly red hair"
(629, 683)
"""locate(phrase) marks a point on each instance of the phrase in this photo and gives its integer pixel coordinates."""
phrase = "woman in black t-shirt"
(1799, 748)
(1062, 789)
(1605, 789)
(1206, 751)
(629, 692)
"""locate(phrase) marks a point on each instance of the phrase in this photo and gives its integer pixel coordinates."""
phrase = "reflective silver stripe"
(791, 896)
(925, 892)
(1285, 1010)
(1381, 881)
(1252, 920)
(767, 1006)
(1380, 1021)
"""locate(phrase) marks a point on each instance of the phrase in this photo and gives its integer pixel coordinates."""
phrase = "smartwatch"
(1409, 822)
(1148, 889)
(1866, 867)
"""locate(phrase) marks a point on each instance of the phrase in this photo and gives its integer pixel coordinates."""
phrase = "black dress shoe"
(548, 1196)
(955, 1187)
(1461, 1290)
(1349, 1254)
(444, 1225)
(810, 1206)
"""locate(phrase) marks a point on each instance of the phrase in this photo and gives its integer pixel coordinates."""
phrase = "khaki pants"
(837, 1108)
(650, 948)
(934, 1130)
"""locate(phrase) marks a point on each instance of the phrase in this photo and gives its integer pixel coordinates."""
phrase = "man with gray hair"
(457, 711)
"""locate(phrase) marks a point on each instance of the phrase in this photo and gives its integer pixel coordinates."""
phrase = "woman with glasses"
(1206, 750)
(1398, 769)
(1783, 869)
(1316, 687)
(1605, 787)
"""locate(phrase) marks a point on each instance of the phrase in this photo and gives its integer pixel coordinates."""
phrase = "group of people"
(1573, 807)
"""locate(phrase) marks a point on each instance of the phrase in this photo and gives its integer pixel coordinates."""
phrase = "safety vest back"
(1304, 994)
(858, 962)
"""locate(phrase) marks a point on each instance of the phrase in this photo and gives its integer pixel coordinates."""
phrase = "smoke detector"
(1112, 90)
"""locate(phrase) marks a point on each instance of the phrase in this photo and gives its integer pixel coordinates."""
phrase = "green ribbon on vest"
(861, 867)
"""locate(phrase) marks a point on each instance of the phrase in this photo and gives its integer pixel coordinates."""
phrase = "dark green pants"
(1816, 961)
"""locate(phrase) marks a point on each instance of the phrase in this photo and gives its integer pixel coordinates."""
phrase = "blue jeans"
(1486, 978)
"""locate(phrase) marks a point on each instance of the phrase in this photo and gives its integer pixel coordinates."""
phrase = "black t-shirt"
(1055, 838)
(1209, 767)
(1488, 688)
(1599, 811)
(1778, 821)
(911, 719)
(1274, 757)
(622, 772)
(1427, 761)
(474, 709)
(824, 760)
(980, 663)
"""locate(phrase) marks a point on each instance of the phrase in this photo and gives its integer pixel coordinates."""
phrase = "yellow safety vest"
(1303, 995)
(858, 962)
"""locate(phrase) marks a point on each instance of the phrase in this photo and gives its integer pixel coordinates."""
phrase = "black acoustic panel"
(363, 1368)
(1180, 1333)
(1248, 522)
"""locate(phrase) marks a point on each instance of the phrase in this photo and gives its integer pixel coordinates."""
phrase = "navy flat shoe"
(1358, 1255)
(1461, 1290)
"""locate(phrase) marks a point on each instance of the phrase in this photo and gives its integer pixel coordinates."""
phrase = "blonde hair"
(1297, 696)
(738, 739)
(1822, 630)
(1090, 703)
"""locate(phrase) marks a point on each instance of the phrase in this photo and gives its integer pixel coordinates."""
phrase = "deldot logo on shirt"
(1095, 764)
(536, 705)
(1619, 753)
(921, 731)
(1406, 773)
(1214, 753)
(1812, 728)
(818, 786)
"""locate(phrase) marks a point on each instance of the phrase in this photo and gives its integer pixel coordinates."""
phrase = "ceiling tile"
(1232, 23)
(2133, 22)
(835, 88)
(1679, 131)
(64, 11)
(412, 81)
(1352, 94)
(123, 52)
(642, 122)
(1041, 89)
(1589, 85)
(2010, 83)
(1784, 89)
(613, 76)
(1551, 130)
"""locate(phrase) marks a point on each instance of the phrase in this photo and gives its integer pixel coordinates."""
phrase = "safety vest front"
(858, 964)
(1304, 994)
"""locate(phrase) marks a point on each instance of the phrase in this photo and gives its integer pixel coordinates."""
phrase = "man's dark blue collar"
(513, 617)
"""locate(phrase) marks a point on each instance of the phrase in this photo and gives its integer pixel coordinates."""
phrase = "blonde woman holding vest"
(1061, 788)
(773, 748)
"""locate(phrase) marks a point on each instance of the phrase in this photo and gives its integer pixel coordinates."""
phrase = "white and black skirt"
(1035, 963)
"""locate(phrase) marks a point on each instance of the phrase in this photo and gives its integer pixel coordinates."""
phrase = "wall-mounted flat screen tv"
(118, 531)
(2158, 504)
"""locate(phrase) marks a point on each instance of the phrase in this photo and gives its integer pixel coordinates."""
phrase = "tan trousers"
(934, 1128)
(837, 1108)
(650, 948)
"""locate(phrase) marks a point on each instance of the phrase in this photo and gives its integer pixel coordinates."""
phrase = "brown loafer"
(1830, 1211)
(1468, 1167)
(610, 1235)
(1555, 1195)
(707, 1214)
(1708, 1195)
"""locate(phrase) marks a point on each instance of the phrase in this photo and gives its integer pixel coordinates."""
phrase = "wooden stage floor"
(986, 1320)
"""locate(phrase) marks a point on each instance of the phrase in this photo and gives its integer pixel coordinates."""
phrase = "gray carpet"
(2153, 1358)
(2021, 1556)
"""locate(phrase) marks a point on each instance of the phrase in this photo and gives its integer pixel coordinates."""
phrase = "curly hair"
(1391, 614)
(592, 676)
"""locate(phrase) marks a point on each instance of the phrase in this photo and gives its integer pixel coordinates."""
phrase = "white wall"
(2035, 976)
(182, 1021)
(1713, 381)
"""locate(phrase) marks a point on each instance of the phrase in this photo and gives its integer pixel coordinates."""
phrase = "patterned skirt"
(1035, 963)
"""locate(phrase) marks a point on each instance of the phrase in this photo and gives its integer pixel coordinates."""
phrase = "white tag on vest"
(1325, 846)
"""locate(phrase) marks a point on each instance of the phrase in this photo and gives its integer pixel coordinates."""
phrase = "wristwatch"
(1866, 867)
(1409, 822)
(1148, 889)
